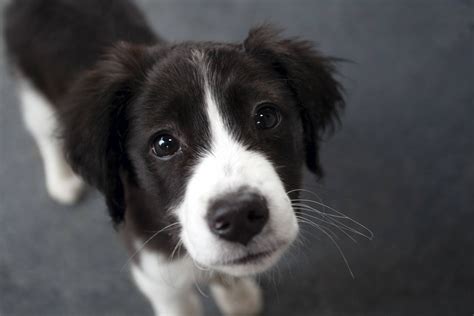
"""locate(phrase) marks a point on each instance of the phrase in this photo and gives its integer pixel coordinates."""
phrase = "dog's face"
(217, 137)
(209, 136)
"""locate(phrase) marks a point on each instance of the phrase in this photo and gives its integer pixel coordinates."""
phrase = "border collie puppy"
(195, 146)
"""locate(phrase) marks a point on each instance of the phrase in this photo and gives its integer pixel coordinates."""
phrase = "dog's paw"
(238, 297)
(186, 306)
(65, 190)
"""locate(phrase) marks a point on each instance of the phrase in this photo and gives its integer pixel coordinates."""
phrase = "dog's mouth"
(251, 258)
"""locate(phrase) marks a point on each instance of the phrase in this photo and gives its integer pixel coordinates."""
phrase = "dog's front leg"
(168, 285)
(237, 296)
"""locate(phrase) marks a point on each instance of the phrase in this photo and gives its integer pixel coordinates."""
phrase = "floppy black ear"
(310, 76)
(95, 121)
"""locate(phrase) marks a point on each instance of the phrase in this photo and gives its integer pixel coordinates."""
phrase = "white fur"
(240, 296)
(167, 284)
(39, 117)
(227, 167)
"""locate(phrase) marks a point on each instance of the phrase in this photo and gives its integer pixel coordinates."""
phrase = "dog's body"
(195, 146)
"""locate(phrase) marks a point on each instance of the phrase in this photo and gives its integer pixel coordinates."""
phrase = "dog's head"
(211, 136)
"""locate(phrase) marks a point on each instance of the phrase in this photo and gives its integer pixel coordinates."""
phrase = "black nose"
(238, 217)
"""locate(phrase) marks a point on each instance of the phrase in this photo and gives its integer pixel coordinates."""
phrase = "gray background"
(402, 164)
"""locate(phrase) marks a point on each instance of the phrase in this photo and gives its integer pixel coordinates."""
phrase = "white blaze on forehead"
(220, 134)
(222, 140)
(216, 123)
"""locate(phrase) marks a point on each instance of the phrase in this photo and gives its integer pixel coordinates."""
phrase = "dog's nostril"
(254, 216)
(221, 225)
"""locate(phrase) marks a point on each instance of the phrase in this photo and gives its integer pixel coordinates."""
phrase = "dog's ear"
(95, 121)
(310, 76)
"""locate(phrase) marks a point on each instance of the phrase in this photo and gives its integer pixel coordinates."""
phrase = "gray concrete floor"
(403, 164)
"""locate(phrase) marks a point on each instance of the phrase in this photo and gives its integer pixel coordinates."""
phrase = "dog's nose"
(238, 217)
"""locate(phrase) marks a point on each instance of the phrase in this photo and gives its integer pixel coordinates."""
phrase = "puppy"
(195, 146)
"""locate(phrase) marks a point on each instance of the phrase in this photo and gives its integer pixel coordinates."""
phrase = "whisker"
(341, 226)
(309, 208)
(307, 191)
(323, 205)
(340, 214)
(340, 252)
(341, 229)
(200, 267)
(301, 240)
(304, 232)
(196, 283)
(178, 246)
(145, 243)
(369, 234)
(335, 244)
(329, 219)
(307, 221)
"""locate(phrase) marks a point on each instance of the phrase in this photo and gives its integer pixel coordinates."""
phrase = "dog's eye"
(267, 116)
(165, 145)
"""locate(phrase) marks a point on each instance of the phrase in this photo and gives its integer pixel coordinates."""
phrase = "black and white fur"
(97, 86)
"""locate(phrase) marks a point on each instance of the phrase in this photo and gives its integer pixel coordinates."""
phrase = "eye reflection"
(165, 145)
(267, 116)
